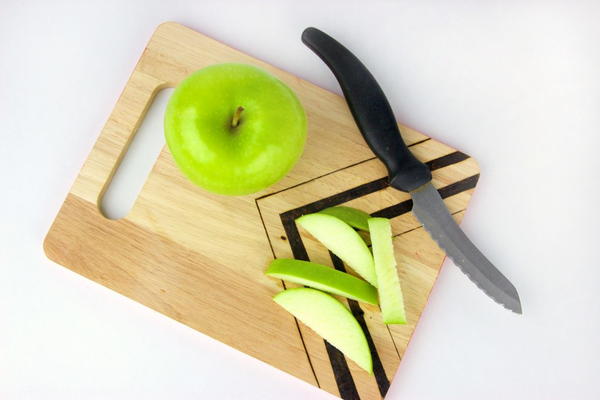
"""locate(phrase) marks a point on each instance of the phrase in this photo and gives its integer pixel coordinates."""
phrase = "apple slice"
(323, 278)
(390, 293)
(343, 241)
(331, 320)
(353, 217)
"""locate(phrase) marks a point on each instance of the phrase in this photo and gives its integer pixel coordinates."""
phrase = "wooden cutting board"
(199, 258)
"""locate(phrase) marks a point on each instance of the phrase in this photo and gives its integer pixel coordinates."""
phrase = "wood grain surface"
(199, 258)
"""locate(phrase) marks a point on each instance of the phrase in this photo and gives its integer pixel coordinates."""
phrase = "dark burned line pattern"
(366, 188)
(332, 172)
(383, 382)
(342, 374)
(341, 371)
(446, 191)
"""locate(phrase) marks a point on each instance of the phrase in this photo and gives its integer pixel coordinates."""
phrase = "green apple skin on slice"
(234, 129)
(353, 217)
(323, 278)
(331, 320)
(390, 292)
(343, 241)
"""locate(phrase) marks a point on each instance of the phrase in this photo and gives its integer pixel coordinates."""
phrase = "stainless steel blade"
(430, 209)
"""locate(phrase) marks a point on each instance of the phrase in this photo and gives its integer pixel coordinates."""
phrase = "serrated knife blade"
(431, 211)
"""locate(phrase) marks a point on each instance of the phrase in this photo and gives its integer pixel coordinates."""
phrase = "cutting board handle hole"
(133, 170)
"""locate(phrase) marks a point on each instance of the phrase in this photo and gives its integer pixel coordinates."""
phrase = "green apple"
(234, 129)
(390, 292)
(331, 320)
(323, 278)
(343, 241)
(353, 217)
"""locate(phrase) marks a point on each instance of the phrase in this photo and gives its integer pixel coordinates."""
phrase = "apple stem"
(235, 121)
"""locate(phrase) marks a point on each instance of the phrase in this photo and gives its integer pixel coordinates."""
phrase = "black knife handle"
(371, 111)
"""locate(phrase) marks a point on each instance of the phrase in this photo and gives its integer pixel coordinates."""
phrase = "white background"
(516, 84)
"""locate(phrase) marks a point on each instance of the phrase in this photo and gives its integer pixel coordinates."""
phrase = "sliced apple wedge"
(390, 292)
(343, 241)
(331, 320)
(323, 278)
(353, 217)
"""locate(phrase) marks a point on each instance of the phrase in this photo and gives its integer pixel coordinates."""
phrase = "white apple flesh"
(331, 320)
(343, 241)
(391, 300)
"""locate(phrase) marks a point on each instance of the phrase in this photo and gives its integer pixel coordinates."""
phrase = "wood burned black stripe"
(380, 377)
(446, 160)
(336, 199)
(366, 188)
(293, 236)
(341, 371)
(459, 187)
(447, 191)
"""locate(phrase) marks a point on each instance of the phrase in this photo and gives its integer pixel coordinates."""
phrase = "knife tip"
(515, 305)
(518, 309)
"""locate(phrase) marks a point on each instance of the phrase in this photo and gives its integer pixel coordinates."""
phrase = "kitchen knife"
(377, 123)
